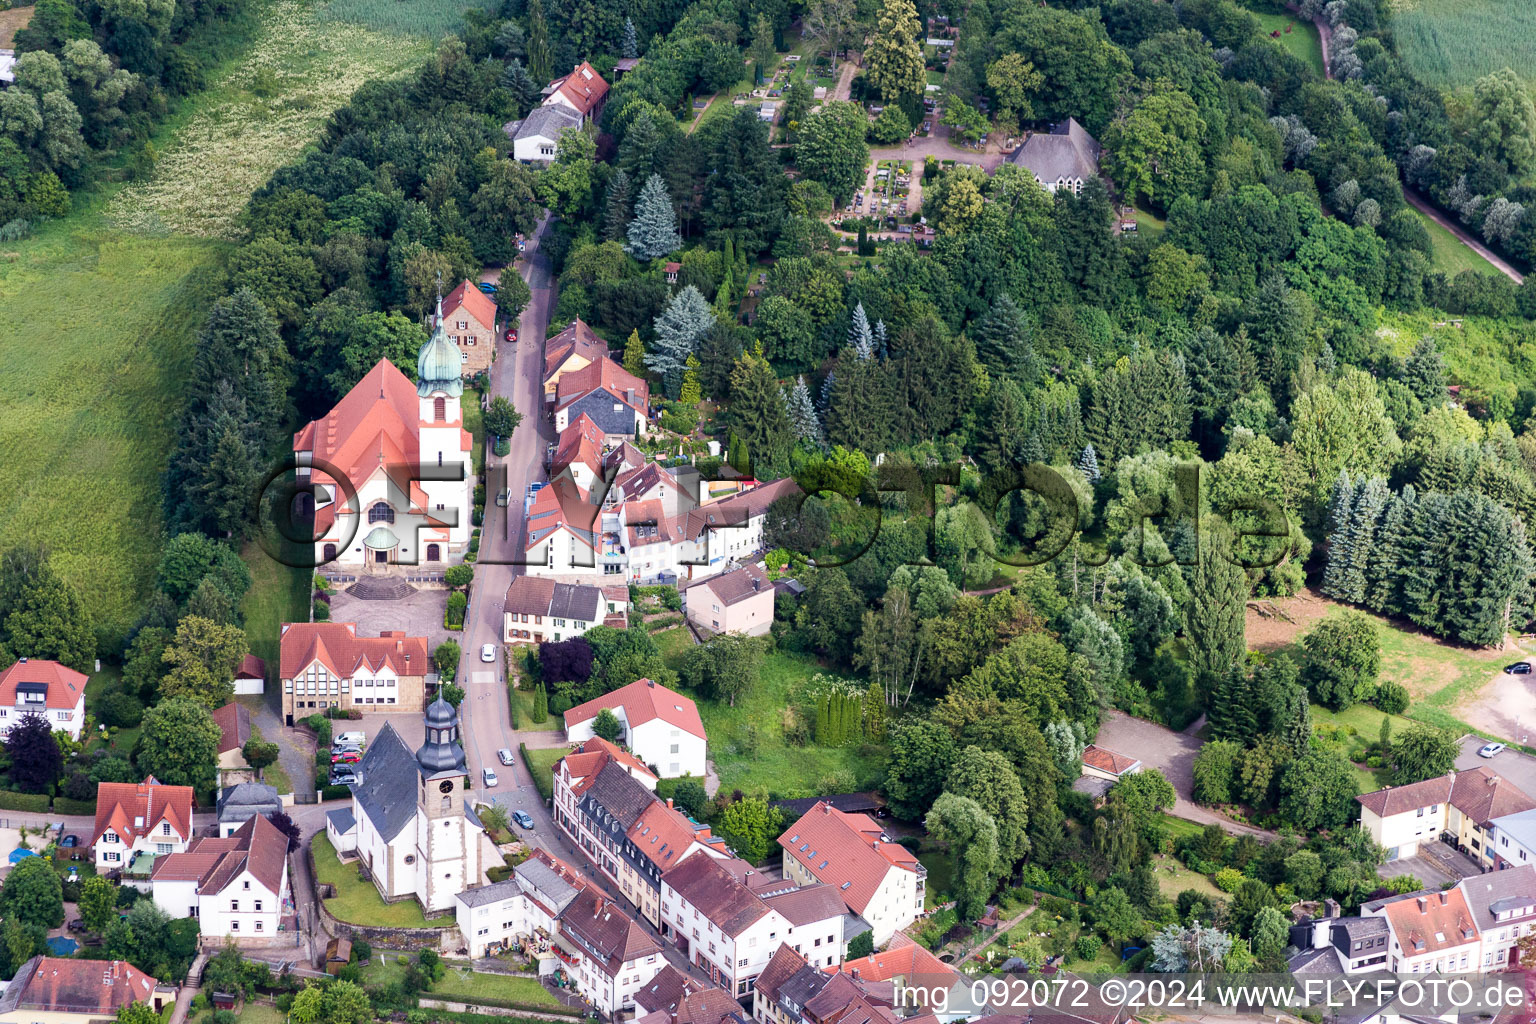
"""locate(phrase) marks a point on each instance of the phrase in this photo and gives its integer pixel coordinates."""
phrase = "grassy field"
(462, 983)
(258, 116)
(1301, 41)
(1173, 878)
(747, 741)
(96, 340)
(428, 18)
(1448, 255)
(541, 765)
(11, 22)
(358, 901)
(1451, 43)
(941, 874)
(278, 594)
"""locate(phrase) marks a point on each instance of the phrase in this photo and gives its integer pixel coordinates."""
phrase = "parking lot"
(1508, 763)
(1504, 706)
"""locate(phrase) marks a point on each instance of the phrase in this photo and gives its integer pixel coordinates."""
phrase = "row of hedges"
(34, 802)
(510, 1004)
(64, 805)
(543, 780)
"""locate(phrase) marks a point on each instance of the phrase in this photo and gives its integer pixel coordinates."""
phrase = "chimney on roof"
(22, 661)
(1331, 907)
(669, 803)
(650, 682)
(1320, 928)
(1445, 897)
(826, 808)
(1493, 780)
(1423, 905)
(756, 583)
(855, 973)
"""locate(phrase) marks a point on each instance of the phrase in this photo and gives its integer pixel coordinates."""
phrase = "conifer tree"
(540, 705)
(882, 340)
(634, 354)
(226, 485)
(1352, 580)
(540, 63)
(1088, 463)
(524, 90)
(685, 320)
(616, 207)
(1003, 344)
(1001, 437)
(652, 233)
(690, 393)
(1424, 372)
(1390, 554)
(1340, 509)
(631, 44)
(1032, 451)
(802, 414)
(874, 713)
(1214, 613)
(861, 338)
(861, 412)
(824, 401)
(757, 411)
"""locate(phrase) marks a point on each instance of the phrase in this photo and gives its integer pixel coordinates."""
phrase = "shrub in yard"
(1391, 698)
(1229, 879)
(1087, 947)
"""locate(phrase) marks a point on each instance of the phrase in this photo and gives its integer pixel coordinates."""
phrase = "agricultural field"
(426, 18)
(96, 340)
(1452, 43)
(266, 108)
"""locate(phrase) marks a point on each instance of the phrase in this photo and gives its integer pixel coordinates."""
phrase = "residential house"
(525, 907)
(327, 665)
(606, 951)
(1430, 932)
(579, 455)
(37, 686)
(615, 399)
(661, 727)
(572, 349)
(1503, 908)
(583, 91)
(58, 990)
(536, 138)
(791, 991)
(1463, 803)
(7, 68)
(468, 317)
(539, 609)
(1103, 763)
(240, 803)
(672, 997)
(235, 885)
(1064, 158)
(251, 676)
(562, 537)
(1330, 944)
(937, 989)
(1514, 841)
(729, 918)
(137, 822)
(389, 467)
(429, 848)
(607, 806)
(234, 722)
(881, 881)
(735, 601)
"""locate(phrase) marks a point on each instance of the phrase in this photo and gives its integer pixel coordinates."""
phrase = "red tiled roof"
(94, 988)
(584, 88)
(133, 809)
(1106, 760)
(904, 959)
(737, 585)
(836, 848)
(65, 685)
(256, 846)
(474, 302)
(602, 373)
(642, 701)
(580, 443)
(577, 339)
(722, 898)
(588, 759)
(376, 424)
(1431, 922)
(337, 646)
(646, 522)
(781, 966)
(252, 667)
(661, 828)
(562, 503)
(738, 508)
(234, 722)
(1479, 793)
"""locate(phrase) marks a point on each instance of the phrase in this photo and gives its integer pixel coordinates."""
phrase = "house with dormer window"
(137, 822)
(327, 665)
(45, 688)
(235, 885)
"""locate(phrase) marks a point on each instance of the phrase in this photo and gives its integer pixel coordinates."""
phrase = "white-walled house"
(661, 727)
(1465, 803)
(881, 881)
(536, 138)
(729, 918)
(236, 886)
(46, 688)
(140, 818)
(537, 609)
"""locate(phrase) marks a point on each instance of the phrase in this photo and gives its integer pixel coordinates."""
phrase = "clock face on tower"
(446, 786)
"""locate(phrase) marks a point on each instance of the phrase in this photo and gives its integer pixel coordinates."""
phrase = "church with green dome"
(392, 469)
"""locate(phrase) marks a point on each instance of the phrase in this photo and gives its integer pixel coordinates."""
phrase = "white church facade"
(391, 468)
(429, 848)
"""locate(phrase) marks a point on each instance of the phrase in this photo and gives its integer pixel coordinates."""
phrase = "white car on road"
(488, 653)
(1490, 749)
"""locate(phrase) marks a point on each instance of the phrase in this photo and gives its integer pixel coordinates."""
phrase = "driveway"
(295, 748)
(1504, 706)
(1508, 763)
(1173, 754)
(1436, 866)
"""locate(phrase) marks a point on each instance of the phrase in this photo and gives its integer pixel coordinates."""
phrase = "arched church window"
(439, 409)
(381, 513)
